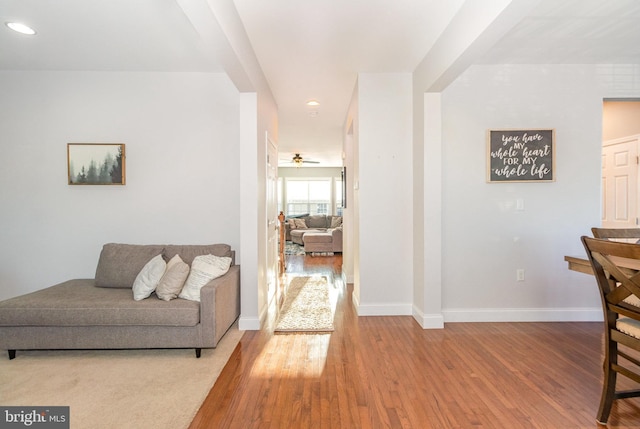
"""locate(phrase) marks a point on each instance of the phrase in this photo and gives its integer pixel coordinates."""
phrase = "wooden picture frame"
(96, 163)
(521, 155)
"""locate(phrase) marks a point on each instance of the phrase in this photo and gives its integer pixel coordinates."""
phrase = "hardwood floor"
(387, 372)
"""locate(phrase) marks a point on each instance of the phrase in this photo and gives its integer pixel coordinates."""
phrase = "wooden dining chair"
(629, 235)
(619, 288)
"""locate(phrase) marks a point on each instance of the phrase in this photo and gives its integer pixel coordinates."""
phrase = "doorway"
(620, 163)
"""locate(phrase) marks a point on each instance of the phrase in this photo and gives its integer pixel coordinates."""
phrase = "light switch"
(520, 204)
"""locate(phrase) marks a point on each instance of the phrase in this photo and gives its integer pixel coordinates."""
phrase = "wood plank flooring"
(387, 372)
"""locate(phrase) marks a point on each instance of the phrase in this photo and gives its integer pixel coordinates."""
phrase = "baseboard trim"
(428, 321)
(355, 302)
(385, 310)
(249, 324)
(522, 315)
(437, 321)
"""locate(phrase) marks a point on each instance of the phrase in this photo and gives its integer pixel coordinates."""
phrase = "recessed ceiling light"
(313, 103)
(21, 28)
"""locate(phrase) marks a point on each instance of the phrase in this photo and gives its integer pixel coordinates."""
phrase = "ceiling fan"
(298, 161)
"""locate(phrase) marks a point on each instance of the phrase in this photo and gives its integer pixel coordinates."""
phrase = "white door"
(620, 183)
(272, 221)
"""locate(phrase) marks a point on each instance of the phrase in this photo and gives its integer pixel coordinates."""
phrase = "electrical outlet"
(520, 274)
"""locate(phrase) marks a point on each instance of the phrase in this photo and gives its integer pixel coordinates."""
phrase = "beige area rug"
(307, 307)
(122, 389)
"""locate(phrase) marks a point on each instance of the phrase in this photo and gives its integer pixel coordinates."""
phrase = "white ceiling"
(307, 50)
(113, 35)
(573, 32)
(314, 50)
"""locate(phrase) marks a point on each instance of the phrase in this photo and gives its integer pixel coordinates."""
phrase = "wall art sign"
(521, 155)
(96, 163)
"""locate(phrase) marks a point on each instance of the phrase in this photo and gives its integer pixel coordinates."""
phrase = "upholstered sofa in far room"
(121, 308)
(297, 227)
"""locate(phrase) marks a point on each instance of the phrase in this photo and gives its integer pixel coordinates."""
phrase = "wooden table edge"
(581, 265)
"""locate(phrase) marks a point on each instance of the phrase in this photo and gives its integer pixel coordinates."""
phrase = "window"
(311, 196)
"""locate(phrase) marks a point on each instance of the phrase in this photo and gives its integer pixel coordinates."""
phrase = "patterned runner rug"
(306, 307)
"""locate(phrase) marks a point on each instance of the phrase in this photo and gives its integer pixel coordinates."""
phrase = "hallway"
(387, 372)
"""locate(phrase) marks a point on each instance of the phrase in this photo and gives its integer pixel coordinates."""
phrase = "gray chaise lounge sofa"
(101, 313)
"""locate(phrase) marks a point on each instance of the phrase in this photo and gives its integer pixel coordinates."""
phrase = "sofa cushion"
(203, 269)
(318, 242)
(119, 264)
(173, 279)
(189, 252)
(336, 221)
(298, 234)
(317, 237)
(148, 278)
(79, 303)
(317, 221)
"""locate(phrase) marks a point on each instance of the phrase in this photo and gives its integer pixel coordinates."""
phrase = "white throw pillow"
(203, 269)
(148, 278)
(173, 279)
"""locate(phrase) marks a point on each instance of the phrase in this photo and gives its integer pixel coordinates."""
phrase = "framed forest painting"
(96, 163)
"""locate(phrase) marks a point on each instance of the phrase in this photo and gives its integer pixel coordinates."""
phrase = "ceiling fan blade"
(311, 162)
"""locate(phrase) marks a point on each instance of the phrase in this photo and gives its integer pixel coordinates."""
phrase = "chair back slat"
(607, 257)
(629, 235)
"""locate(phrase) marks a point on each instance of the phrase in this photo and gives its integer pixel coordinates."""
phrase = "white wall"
(620, 119)
(427, 206)
(267, 124)
(181, 136)
(253, 292)
(485, 239)
(348, 257)
(385, 194)
(351, 236)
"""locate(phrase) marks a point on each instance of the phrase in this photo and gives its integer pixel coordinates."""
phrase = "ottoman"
(318, 242)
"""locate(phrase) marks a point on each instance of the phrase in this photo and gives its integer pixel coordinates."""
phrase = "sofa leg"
(12, 354)
(198, 351)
